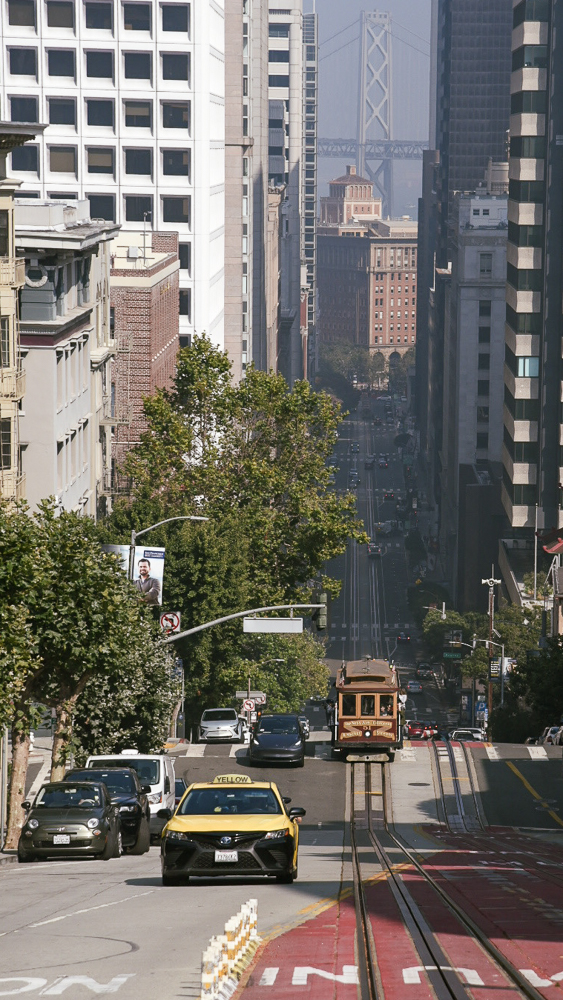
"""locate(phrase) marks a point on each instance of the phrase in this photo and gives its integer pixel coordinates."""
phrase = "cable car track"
(446, 982)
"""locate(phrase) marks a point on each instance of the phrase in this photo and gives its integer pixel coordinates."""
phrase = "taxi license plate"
(61, 838)
(226, 856)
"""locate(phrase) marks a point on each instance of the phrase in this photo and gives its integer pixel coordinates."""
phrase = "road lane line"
(533, 792)
(101, 906)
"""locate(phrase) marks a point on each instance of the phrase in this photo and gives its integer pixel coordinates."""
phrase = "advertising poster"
(122, 553)
(148, 573)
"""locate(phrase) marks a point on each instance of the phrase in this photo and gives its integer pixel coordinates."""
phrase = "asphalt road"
(115, 924)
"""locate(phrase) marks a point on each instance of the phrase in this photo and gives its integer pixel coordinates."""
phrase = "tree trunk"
(174, 718)
(62, 736)
(20, 758)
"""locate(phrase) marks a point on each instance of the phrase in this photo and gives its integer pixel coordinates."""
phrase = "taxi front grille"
(214, 840)
(206, 862)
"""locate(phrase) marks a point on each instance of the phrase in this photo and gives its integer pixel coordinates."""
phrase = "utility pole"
(491, 583)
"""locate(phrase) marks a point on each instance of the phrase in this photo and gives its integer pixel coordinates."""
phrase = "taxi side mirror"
(297, 812)
(164, 814)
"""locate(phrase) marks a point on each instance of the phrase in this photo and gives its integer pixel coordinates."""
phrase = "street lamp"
(137, 534)
(491, 584)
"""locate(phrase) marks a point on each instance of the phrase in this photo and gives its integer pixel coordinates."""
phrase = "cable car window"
(348, 704)
(367, 705)
(385, 705)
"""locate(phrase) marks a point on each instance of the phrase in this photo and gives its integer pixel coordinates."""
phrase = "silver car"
(220, 724)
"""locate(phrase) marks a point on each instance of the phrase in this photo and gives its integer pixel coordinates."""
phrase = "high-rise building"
(133, 94)
(285, 90)
(309, 180)
(471, 52)
(533, 426)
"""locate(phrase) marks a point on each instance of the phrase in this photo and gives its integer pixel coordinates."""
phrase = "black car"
(130, 797)
(180, 786)
(277, 739)
(70, 819)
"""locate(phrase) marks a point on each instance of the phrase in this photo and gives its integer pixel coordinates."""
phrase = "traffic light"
(321, 616)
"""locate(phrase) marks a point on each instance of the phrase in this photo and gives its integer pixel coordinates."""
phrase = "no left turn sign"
(170, 621)
(248, 705)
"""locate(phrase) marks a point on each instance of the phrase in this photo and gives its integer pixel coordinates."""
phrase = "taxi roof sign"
(232, 779)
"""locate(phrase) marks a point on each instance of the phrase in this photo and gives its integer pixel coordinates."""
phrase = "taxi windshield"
(67, 796)
(213, 801)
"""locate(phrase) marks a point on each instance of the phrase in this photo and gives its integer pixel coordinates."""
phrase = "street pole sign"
(270, 625)
(494, 669)
(257, 696)
(450, 654)
(170, 622)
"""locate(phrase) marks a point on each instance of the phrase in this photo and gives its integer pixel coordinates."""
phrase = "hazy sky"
(339, 76)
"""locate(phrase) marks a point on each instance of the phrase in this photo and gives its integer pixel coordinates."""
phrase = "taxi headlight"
(276, 835)
(177, 835)
(33, 824)
(93, 823)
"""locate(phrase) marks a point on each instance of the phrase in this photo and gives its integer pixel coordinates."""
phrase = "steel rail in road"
(375, 149)
(455, 987)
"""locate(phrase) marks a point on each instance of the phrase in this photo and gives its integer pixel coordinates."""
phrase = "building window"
(279, 55)
(138, 161)
(21, 13)
(99, 16)
(485, 265)
(185, 255)
(138, 114)
(26, 158)
(60, 14)
(485, 307)
(137, 65)
(102, 206)
(23, 62)
(278, 81)
(483, 414)
(23, 109)
(62, 159)
(62, 111)
(136, 17)
(484, 334)
(138, 208)
(61, 62)
(176, 115)
(484, 362)
(176, 162)
(278, 30)
(5, 343)
(176, 210)
(100, 113)
(529, 57)
(175, 17)
(176, 66)
(99, 65)
(100, 161)
(527, 367)
(482, 441)
(185, 302)
(5, 443)
(483, 387)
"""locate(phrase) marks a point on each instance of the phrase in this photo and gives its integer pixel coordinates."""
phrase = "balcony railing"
(115, 413)
(12, 384)
(12, 484)
(12, 271)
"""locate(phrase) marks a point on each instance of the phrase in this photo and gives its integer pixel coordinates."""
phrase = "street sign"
(258, 696)
(450, 654)
(494, 669)
(170, 622)
(292, 625)
(480, 707)
(248, 705)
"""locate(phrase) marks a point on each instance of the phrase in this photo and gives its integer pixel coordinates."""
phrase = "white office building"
(133, 98)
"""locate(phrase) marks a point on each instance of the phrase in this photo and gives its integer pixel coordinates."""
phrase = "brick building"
(144, 307)
(367, 284)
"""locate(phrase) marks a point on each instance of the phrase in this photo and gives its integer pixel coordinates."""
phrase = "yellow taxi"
(231, 826)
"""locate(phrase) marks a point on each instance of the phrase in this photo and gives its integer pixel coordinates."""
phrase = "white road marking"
(412, 975)
(101, 906)
(269, 976)
(194, 750)
(62, 984)
(349, 975)
(492, 752)
(538, 753)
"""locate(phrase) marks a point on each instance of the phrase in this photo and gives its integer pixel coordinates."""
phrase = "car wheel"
(288, 877)
(118, 845)
(168, 879)
(24, 859)
(143, 842)
(110, 848)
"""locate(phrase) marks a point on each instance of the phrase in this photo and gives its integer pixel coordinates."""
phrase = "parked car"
(414, 687)
(305, 726)
(180, 786)
(130, 797)
(70, 819)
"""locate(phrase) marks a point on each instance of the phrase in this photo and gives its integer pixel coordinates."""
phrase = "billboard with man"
(148, 574)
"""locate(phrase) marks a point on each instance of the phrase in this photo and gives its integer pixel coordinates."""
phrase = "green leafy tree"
(538, 680)
(81, 619)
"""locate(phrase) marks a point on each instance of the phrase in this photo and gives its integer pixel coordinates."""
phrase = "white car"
(218, 724)
(467, 735)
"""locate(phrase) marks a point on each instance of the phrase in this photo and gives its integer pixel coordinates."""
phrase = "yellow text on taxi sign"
(232, 779)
